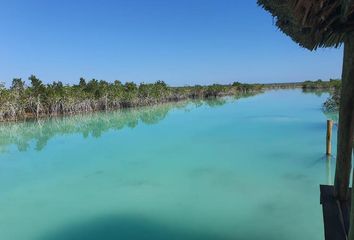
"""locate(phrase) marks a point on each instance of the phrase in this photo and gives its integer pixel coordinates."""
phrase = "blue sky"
(182, 42)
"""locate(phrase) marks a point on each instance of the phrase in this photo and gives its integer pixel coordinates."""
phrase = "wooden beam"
(346, 122)
(335, 215)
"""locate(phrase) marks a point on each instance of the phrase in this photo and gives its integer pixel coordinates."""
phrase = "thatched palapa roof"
(313, 23)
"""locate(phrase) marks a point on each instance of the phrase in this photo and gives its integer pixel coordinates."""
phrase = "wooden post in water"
(346, 126)
(329, 137)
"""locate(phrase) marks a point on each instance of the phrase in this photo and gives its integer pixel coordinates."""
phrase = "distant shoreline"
(21, 102)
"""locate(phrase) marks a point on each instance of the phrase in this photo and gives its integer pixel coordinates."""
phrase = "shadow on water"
(327, 161)
(116, 227)
(320, 160)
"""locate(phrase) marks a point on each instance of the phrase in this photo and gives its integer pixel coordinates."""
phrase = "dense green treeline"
(331, 84)
(34, 99)
(37, 99)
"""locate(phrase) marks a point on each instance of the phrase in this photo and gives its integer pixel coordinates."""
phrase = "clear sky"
(179, 41)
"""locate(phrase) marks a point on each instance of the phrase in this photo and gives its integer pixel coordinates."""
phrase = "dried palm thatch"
(313, 23)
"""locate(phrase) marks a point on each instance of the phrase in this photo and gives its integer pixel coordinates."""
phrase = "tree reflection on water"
(22, 134)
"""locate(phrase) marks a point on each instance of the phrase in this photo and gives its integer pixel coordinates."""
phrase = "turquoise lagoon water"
(245, 169)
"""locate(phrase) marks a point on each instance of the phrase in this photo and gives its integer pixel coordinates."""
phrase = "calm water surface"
(243, 169)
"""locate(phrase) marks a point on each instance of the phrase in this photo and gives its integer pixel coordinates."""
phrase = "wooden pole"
(329, 137)
(345, 124)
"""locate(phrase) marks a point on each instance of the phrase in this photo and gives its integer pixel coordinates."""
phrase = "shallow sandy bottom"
(234, 169)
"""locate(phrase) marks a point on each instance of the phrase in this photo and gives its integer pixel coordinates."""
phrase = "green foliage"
(214, 90)
(335, 83)
(37, 86)
(37, 99)
(332, 103)
(18, 85)
(247, 87)
(3, 91)
(82, 83)
(319, 84)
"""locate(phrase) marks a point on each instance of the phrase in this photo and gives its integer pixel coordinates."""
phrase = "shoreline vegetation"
(20, 101)
(332, 103)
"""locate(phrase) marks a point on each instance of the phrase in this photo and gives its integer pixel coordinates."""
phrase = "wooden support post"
(329, 137)
(346, 123)
(346, 129)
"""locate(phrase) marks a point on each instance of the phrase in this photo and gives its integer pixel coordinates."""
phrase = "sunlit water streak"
(245, 169)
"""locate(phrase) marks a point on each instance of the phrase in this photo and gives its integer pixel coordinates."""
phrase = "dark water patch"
(100, 177)
(135, 183)
(278, 155)
(210, 172)
(201, 171)
(138, 183)
(116, 227)
(94, 174)
(269, 207)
